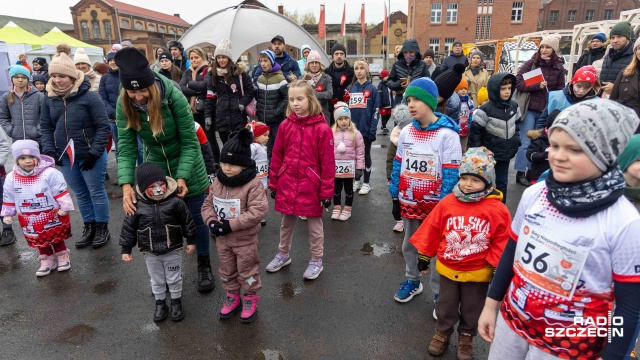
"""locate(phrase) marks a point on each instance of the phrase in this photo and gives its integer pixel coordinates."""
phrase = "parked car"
(375, 70)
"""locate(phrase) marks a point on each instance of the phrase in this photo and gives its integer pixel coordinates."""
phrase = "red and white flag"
(322, 30)
(364, 26)
(343, 27)
(71, 152)
(385, 23)
(533, 77)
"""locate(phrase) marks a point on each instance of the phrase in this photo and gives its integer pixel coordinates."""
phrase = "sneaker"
(303, 218)
(345, 215)
(249, 308)
(64, 263)
(335, 215)
(47, 263)
(408, 290)
(364, 190)
(399, 226)
(231, 306)
(313, 270)
(357, 185)
(438, 344)
(385, 131)
(278, 262)
(8, 237)
(465, 347)
(263, 222)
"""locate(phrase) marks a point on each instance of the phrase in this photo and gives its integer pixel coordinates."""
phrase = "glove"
(358, 174)
(326, 203)
(88, 162)
(273, 194)
(396, 209)
(54, 156)
(346, 96)
(7, 220)
(241, 107)
(423, 262)
(62, 213)
(221, 229)
(207, 123)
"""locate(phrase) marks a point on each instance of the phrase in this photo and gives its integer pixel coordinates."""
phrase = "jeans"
(140, 147)
(522, 164)
(114, 135)
(194, 204)
(88, 188)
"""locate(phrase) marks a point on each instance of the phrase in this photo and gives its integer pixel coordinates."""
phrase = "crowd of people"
(301, 133)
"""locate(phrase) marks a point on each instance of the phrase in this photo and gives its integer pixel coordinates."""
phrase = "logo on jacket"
(134, 84)
(366, 94)
(234, 88)
(343, 79)
(319, 88)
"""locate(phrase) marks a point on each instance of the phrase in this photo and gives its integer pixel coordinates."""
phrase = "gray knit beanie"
(401, 116)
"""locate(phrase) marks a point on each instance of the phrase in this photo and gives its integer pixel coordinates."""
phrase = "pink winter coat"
(302, 166)
(352, 149)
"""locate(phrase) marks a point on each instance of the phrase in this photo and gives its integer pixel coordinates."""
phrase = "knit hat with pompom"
(237, 151)
(62, 63)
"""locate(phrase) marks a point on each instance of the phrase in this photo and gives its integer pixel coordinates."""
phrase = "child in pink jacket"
(349, 152)
(301, 174)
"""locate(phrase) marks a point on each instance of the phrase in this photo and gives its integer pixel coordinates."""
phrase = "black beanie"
(166, 55)
(134, 69)
(40, 60)
(147, 173)
(552, 117)
(337, 47)
(237, 150)
(448, 81)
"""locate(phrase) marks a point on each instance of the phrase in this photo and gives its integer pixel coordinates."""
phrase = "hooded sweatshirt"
(417, 69)
(302, 62)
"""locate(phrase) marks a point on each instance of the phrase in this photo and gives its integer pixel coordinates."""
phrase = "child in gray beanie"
(401, 117)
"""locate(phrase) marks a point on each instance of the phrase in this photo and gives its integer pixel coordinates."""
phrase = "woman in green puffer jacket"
(152, 107)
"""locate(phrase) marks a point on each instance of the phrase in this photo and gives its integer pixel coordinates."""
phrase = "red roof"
(146, 13)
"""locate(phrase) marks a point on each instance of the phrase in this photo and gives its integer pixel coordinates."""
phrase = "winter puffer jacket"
(560, 100)
(303, 165)
(22, 119)
(451, 108)
(272, 97)
(253, 208)
(537, 152)
(626, 90)
(553, 74)
(417, 69)
(44, 70)
(225, 99)
(365, 119)
(177, 150)
(615, 62)
(590, 56)
(157, 227)
(495, 124)
(353, 149)
(452, 59)
(80, 116)
(197, 88)
(324, 94)
(288, 66)
(341, 78)
(109, 92)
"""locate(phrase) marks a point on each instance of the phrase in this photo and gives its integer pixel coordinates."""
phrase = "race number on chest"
(263, 168)
(345, 169)
(226, 209)
(357, 100)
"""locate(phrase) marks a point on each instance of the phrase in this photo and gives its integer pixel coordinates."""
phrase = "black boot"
(521, 179)
(8, 237)
(176, 310)
(102, 235)
(88, 233)
(162, 310)
(205, 278)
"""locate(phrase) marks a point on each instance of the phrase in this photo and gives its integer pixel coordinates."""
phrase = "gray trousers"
(165, 270)
(410, 254)
(507, 344)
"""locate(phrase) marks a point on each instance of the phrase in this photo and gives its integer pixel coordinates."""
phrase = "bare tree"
(301, 19)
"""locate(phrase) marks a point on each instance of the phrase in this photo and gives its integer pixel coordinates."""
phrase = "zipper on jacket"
(86, 138)
(165, 156)
(265, 97)
(66, 131)
(24, 131)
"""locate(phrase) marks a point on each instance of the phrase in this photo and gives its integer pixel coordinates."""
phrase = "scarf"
(90, 74)
(141, 107)
(193, 100)
(62, 92)
(586, 198)
(474, 70)
(244, 177)
(315, 78)
(471, 197)
(221, 72)
(432, 68)
(409, 59)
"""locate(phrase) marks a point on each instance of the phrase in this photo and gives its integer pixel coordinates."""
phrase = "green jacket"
(177, 150)
(633, 195)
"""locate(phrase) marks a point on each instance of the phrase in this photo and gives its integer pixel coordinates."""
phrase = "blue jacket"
(109, 91)
(288, 66)
(385, 95)
(451, 108)
(81, 117)
(365, 119)
(560, 100)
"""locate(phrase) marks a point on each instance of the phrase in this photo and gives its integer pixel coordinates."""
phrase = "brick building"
(93, 22)
(564, 14)
(437, 24)
(376, 42)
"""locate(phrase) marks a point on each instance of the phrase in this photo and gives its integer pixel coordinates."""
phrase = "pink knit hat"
(314, 55)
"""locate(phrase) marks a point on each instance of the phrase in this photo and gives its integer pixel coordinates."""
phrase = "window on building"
(434, 44)
(107, 30)
(96, 29)
(436, 12)
(172, 31)
(488, 32)
(126, 24)
(482, 27)
(478, 27)
(590, 15)
(352, 46)
(162, 29)
(571, 17)
(139, 25)
(608, 14)
(553, 16)
(180, 32)
(85, 29)
(516, 11)
(452, 13)
(330, 44)
(151, 28)
(448, 44)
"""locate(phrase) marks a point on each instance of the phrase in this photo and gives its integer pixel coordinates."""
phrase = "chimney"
(176, 15)
(280, 9)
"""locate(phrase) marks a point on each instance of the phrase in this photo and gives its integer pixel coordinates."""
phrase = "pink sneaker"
(47, 264)
(399, 226)
(231, 306)
(249, 308)
(64, 263)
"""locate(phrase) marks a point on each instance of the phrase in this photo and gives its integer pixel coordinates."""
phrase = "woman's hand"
(487, 321)
(128, 199)
(543, 85)
(182, 188)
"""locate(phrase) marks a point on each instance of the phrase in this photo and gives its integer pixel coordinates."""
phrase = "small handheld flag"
(533, 77)
(71, 152)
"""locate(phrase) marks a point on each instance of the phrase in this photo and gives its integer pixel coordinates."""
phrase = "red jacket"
(302, 166)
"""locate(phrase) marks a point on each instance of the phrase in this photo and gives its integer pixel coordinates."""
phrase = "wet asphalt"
(102, 308)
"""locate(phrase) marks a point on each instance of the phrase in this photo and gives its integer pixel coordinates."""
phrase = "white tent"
(5, 83)
(19, 41)
(56, 36)
(250, 29)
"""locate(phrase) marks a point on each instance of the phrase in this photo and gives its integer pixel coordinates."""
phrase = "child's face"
(298, 101)
(20, 81)
(263, 139)
(27, 162)
(156, 190)
(40, 86)
(462, 92)
(568, 161)
(417, 108)
(471, 184)
(360, 72)
(265, 64)
(582, 88)
(165, 64)
(505, 92)
(343, 122)
(231, 170)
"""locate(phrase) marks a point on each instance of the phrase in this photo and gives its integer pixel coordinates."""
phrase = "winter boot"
(162, 310)
(438, 344)
(47, 264)
(64, 263)
(521, 179)
(88, 233)
(205, 277)
(102, 235)
(249, 308)
(231, 306)
(176, 310)
(8, 237)
(465, 347)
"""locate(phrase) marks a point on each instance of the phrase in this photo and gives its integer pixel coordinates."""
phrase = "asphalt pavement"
(102, 308)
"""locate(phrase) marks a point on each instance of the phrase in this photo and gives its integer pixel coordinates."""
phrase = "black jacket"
(417, 69)
(109, 91)
(341, 78)
(288, 66)
(452, 59)
(589, 57)
(158, 227)
(537, 153)
(225, 99)
(272, 97)
(615, 62)
(196, 88)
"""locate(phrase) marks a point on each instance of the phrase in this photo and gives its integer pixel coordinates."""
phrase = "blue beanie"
(18, 69)
(270, 54)
(39, 77)
(111, 55)
(425, 90)
(600, 36)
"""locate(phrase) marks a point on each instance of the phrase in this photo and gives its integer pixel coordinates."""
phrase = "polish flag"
(322, 29)
(343, 27)
(363, 26)
(385, 24)
(71, 152)
(533, 77)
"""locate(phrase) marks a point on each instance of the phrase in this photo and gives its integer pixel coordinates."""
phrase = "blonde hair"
(154, 113)
(631, 68)
(351, 129)
(198, 51)
(314, 105)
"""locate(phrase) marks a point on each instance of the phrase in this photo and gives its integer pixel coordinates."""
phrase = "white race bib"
(226, 209)
(263, 168)
(357, 100)
(420, 165)
(552, 265)
(345, 169)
